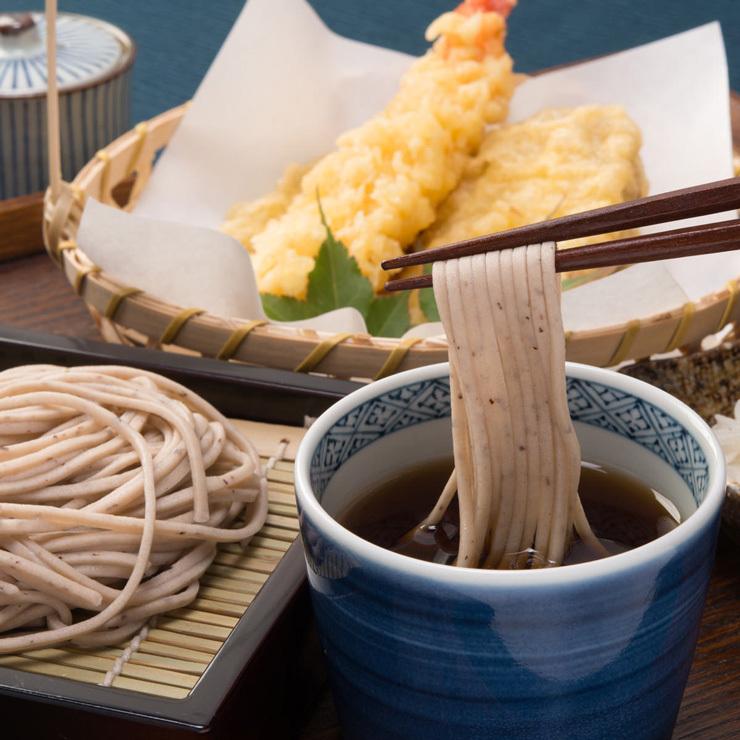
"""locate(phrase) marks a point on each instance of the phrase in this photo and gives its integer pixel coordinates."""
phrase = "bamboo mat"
(175, 649)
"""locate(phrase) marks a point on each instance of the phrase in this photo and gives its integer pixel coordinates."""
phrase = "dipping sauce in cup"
(420, 649)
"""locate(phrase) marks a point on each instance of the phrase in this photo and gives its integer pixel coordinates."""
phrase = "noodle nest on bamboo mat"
(116, 485)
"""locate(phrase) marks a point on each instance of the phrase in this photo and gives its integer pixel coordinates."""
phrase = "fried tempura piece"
(381, 186)
(558, 162)
(244, 220)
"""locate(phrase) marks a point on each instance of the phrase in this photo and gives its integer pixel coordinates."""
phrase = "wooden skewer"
(52, 101)
(700, 200)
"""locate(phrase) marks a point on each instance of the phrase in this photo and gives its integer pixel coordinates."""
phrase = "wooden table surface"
(34, 295)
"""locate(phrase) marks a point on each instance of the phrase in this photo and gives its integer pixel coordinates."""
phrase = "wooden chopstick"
(690, 241)
(700, 200)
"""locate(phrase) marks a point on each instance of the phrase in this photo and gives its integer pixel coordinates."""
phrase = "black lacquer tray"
(268, 668)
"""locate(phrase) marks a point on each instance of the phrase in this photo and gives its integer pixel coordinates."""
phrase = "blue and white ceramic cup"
(422, 650)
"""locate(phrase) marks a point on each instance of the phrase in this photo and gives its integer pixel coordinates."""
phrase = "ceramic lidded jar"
(94, 60)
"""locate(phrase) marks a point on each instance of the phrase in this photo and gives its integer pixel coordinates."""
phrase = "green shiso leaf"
(283, 308)
(336, 282)
(389, 315)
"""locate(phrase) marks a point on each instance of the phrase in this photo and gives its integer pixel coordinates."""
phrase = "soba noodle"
(115, 486)
(517, 458)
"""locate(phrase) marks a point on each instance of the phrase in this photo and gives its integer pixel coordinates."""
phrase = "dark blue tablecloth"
(177, 39)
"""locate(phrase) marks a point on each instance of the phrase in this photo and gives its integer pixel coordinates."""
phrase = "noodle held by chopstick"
(517, 458)
(115, 486)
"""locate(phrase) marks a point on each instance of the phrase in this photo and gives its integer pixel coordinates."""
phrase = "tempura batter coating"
(245, 220)
(558, 162)
(381, 186)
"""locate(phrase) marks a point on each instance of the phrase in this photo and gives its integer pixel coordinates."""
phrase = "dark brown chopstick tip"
(691, 241)
(419, 281)
(699, 200)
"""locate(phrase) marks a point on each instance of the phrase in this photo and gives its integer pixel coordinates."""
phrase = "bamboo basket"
(124, 314)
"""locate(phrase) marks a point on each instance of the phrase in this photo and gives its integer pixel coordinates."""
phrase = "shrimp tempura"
(383, 183)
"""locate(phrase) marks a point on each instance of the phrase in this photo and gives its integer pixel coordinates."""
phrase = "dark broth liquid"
(623, 512)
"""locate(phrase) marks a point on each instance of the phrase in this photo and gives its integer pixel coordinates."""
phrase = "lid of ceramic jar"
(89, 51)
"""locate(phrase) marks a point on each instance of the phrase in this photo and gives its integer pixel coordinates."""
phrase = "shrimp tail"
(502, 7)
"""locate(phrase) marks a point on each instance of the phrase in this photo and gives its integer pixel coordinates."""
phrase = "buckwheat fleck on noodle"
(517, 457)
(116, 485)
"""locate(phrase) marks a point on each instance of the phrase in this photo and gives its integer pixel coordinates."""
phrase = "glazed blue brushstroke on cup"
(419, 650)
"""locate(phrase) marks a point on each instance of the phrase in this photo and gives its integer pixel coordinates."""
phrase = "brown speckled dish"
(709, 382)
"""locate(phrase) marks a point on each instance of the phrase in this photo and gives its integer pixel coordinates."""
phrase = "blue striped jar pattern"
(94, 61)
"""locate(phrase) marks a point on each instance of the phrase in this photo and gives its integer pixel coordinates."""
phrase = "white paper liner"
(189, 266)
(283, 87)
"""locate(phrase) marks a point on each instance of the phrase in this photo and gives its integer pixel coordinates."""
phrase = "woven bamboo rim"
(127, 315)
(170, 655)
